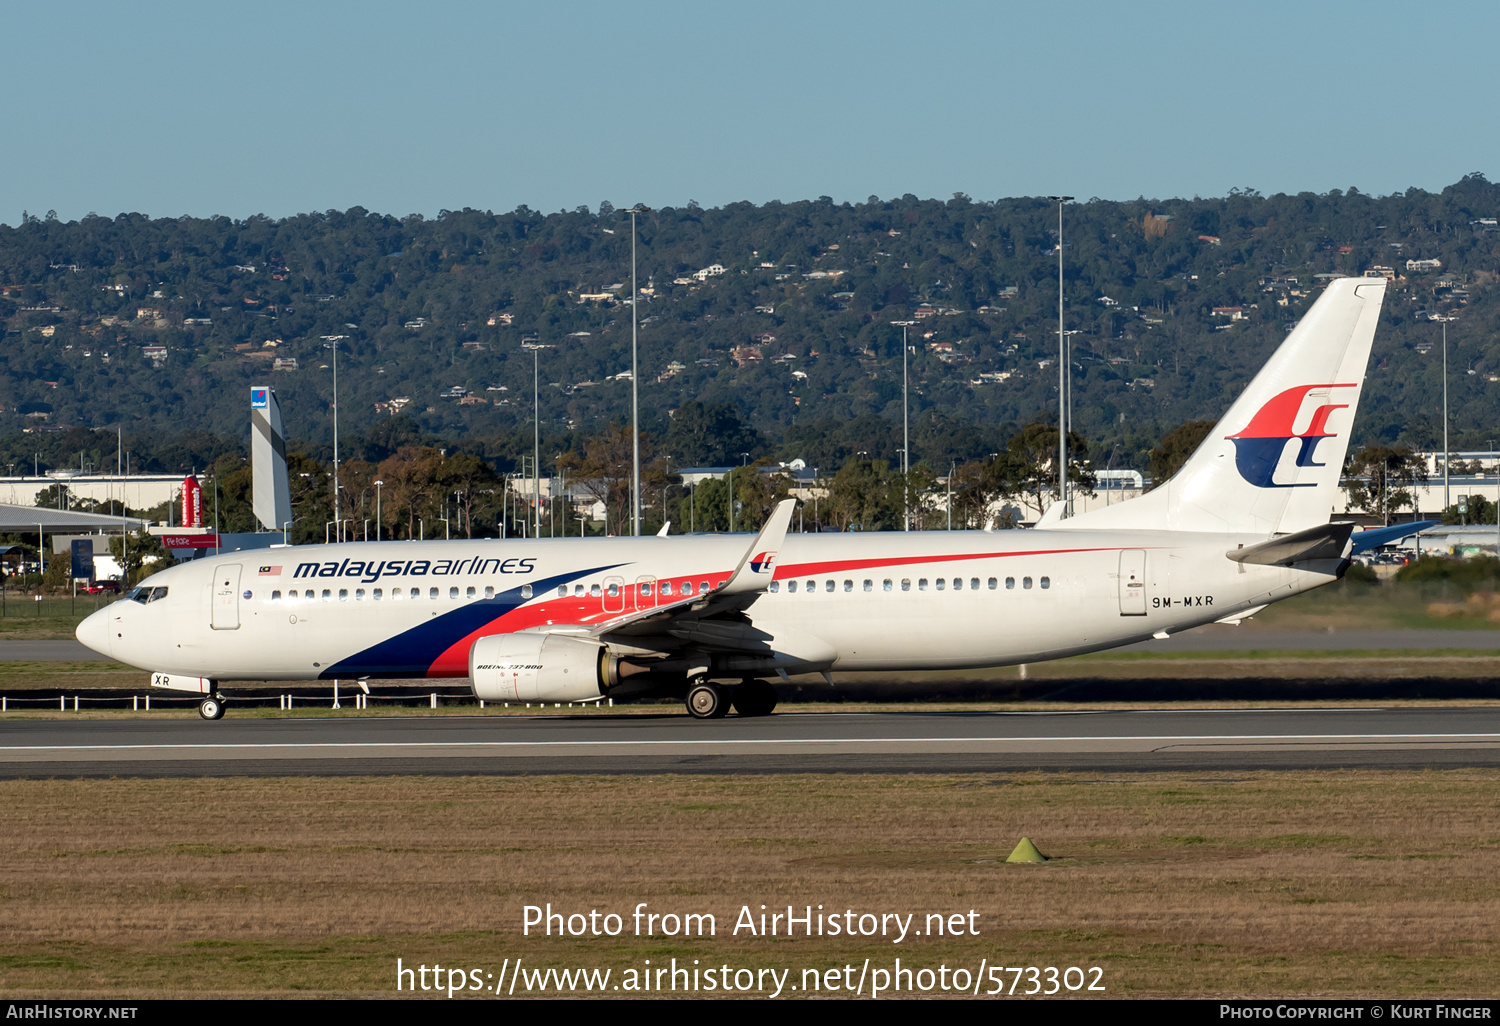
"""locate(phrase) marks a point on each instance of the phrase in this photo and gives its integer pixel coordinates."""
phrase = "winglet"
(758, 565)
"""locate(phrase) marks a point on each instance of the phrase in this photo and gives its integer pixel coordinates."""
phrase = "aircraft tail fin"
(1272, 464)
(272, 496)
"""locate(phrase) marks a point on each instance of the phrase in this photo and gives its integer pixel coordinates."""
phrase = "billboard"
(83, 559)
(192, 502)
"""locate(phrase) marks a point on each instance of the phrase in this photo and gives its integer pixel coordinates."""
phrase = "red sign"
(190, 541)
(192, 504)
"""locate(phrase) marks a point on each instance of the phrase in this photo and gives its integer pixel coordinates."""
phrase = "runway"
(1116, 741)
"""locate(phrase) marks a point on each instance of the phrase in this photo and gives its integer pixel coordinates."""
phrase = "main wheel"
(707, 701)
(754, 698)
(211, 709)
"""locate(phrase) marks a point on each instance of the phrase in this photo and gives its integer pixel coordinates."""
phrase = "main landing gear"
(707, 701)
(211, 708)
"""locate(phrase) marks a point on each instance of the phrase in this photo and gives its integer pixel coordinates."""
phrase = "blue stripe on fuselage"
(411, 653)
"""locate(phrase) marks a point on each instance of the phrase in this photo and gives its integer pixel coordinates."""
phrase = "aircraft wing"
(714, 619)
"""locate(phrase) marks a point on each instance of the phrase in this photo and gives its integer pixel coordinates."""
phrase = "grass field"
(1263, 884)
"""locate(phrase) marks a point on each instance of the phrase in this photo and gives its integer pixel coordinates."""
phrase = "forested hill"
(783, 310)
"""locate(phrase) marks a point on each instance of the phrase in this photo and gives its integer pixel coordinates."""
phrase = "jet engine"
(538, 668)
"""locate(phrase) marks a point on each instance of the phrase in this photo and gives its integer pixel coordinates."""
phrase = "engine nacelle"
(537, 668)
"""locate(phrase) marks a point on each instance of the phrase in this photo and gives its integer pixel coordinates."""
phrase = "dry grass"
(1347, 883)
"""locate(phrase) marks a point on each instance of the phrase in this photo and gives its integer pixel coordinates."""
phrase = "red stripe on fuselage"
(586, 609)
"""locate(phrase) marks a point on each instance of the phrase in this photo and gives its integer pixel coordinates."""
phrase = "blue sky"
(275, 108)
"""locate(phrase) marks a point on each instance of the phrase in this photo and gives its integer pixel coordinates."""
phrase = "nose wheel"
(211, 708)
(707, 701)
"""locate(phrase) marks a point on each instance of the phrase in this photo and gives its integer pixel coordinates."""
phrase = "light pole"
(1062, 369)
(1445, 414)
(635, 409)
(377, 509)
(536, 434)
(332, 342)
(905, 433)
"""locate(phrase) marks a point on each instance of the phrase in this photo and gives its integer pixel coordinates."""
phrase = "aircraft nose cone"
(94, 631)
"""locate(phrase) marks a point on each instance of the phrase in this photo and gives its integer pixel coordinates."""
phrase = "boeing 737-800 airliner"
(1243, 524)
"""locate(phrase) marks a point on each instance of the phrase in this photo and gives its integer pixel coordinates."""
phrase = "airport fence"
(14, 604)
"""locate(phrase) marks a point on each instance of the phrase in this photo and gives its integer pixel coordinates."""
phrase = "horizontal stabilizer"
(1377, 536)
(1326, 541)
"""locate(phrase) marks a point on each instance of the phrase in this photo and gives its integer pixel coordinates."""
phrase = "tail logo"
(1259, 446)
(762, 562)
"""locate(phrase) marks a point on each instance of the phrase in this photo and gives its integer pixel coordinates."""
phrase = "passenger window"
(941, 583)
(525, 591)
(327, 595)
(645, 587)
(1046, 582)
(275, 596)
(416, 593)
(921, 584)
(432, 594)
(469, 591)
(869, 584)
(1025, 582)
(791, 586)
(702, 587)
(974, 583)
(343, 594)
(666, 588)
(958, 584)
(489, 591)
(396, 595)
(885, 585)
(578, 591)
(359, 594)
(453, 593)
(906, 584)
(775, 587)
(812, 586)
(562, 591)
(378, 595)
(594, 591)
(1010, 584)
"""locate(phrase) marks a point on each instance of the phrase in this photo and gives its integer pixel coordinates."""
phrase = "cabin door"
(226, 608)
(1133, 582)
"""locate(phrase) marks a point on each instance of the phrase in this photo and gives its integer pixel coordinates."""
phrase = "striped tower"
(273, 498)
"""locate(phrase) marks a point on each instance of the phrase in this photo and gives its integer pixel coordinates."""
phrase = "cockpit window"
(144, 594)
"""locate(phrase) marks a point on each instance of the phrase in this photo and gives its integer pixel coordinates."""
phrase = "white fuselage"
(859, 601)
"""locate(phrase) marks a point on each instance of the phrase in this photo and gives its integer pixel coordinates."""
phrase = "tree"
(410, 478)
(1033, 452)
(980, 484)
(865, 495)
(1378, 478)
(139, 556)
(710, 435)
(1175, 447)
(604, 471)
